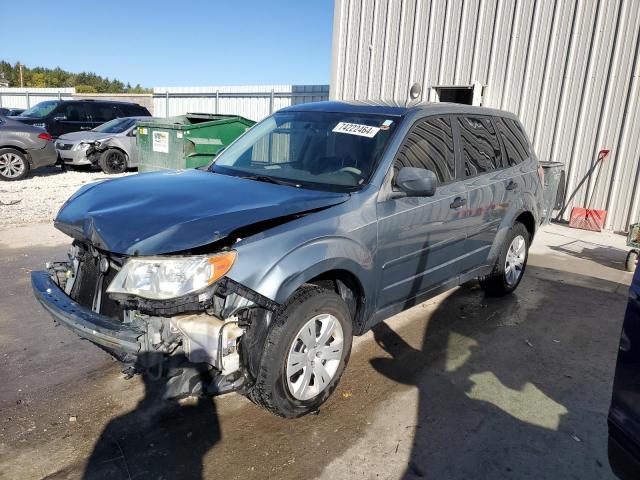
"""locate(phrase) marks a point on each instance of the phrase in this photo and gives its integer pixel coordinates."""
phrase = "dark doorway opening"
(455, 95)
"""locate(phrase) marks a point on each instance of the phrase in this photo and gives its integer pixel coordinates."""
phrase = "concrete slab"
(462, 386)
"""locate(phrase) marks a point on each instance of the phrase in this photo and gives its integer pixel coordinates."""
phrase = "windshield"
(117, 125)
(321, 150)
(41, 109)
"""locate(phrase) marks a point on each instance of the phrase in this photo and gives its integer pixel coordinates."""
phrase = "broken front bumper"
(105, 331)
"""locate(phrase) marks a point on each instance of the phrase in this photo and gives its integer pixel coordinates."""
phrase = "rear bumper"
(44, 156)
(97, 328)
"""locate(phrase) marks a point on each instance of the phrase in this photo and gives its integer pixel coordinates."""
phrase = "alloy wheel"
(514, 263)
(115, 162)
(11, 165)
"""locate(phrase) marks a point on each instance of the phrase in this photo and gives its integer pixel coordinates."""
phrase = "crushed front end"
(200, 339)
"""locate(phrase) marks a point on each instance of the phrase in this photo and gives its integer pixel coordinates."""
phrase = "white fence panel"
(250, 101)
(28, 97)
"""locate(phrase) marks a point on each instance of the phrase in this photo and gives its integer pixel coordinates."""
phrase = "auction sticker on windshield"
(356, 129)
(161, 142)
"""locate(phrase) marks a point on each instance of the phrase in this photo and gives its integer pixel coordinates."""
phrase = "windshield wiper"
(267, 179)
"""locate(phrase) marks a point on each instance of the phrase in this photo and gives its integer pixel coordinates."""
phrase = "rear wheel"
(13, 164)
(113, 161)
(306, 350)
(512, 261)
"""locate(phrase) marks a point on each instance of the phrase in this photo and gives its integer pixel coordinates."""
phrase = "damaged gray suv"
(321, 221)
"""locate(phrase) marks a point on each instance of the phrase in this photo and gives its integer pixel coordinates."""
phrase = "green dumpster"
(186, 141)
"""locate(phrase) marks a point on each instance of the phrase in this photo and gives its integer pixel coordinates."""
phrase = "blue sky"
(175, 42)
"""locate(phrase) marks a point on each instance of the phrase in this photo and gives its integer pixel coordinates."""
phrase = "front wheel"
(113, 161)
(512, 261)
(305, 352)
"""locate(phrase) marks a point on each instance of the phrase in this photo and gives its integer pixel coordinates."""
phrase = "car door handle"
(512, 185)
(458, 202)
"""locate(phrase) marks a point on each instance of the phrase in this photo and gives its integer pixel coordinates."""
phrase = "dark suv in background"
(65, 116)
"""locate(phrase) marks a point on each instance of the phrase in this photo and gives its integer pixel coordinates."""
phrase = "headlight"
(102, 141)
(82, 145)
(162, 278)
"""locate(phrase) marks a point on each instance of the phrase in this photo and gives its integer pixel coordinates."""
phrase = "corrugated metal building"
(568, 68)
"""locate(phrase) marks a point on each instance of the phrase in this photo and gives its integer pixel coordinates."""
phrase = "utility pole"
(21, 77)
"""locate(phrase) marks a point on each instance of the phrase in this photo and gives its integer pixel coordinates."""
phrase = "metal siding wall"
(568, 68)
(250, 101)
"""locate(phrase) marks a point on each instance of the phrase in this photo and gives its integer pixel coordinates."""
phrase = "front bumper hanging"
(100, 329)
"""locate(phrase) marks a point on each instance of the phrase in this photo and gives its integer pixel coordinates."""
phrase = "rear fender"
(524, 203)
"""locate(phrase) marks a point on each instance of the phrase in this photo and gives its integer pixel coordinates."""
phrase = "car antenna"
(414, 92)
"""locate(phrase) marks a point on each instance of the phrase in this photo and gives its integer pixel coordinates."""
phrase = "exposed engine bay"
(199, 340)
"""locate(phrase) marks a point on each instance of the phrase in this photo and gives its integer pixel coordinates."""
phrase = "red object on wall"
(587, 219)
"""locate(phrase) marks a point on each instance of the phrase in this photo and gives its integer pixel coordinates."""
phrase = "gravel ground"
(39, 197)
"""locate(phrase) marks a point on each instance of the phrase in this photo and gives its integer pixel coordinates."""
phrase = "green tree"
(84, 82)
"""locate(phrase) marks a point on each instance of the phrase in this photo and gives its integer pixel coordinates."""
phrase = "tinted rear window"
(134, 110)
(430, 145)
(515, 143)
(480, 147)
(102, 112)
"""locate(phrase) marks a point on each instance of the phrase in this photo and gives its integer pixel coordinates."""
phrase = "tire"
(511, 264)
(113, 161)
(13, 164)
(632, 261)
(287, 362)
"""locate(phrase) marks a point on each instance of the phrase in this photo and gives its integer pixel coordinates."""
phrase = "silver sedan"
(112, 146)
(23, 148)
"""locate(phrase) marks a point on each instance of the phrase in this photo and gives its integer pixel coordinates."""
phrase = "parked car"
(10, 112)
(624, 413)
(319, 222)
(112, 146)
(23, 148)
(65, 116)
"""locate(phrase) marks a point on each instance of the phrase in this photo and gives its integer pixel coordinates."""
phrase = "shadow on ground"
(501, 402)
(606, 256)
(512, 387)
(159, 439)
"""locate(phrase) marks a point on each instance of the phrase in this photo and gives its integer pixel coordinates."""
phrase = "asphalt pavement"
(462, 386)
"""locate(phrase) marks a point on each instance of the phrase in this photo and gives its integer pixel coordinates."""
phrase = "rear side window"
(134, 111)
(480, 147)
(72, 111)
(430, 145)
(515, 143)
(103, 112)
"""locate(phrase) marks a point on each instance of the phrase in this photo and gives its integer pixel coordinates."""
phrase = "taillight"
(541, 174)
(45, 136)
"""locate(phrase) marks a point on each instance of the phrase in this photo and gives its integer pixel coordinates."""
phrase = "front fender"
(288, 273)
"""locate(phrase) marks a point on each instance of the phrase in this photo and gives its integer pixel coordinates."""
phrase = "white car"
(112, 146)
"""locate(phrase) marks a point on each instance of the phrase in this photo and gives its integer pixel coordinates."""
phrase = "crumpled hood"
(89, 136)
(165, 212)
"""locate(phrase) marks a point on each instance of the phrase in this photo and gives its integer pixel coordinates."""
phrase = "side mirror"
(134, 132)
(415, 182)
